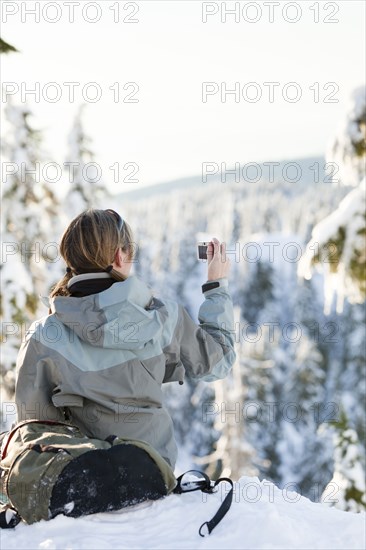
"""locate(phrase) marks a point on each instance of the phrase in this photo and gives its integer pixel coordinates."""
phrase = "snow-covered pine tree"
(257, 291)
(29, 211)
(87, 189)
(261, 358)
(347, 150)
(338, 241)
(305, 455)
(233, 455)
(338, 249)
(30, 205)
(349, 468)
(284, 376)
(352, 374)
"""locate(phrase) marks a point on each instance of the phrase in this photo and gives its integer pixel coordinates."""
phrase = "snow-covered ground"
(261, 516)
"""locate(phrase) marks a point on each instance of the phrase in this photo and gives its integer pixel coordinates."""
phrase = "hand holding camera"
(215, 253)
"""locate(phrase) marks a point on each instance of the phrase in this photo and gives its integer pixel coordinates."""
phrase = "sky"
(169, 53)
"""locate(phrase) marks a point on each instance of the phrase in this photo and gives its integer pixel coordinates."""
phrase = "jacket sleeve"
(204, 351)
(35, 384)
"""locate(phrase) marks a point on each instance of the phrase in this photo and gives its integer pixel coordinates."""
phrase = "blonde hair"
(89, 245)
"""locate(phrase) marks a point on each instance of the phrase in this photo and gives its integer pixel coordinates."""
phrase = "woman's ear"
(118, 260)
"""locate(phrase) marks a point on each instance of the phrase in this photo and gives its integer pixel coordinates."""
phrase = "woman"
(100, 357)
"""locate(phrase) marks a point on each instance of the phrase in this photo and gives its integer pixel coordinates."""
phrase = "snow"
(350, 216)
(261, 516)
(346, 158)
(341, 153)
(349, 473)
(349, 208)
(313, 371)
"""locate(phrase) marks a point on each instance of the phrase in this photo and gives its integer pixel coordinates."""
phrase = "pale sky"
(169, 53)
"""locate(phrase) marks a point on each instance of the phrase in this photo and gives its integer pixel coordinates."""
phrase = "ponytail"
(60, 288)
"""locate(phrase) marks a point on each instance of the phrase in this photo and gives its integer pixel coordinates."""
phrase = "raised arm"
(206, 350)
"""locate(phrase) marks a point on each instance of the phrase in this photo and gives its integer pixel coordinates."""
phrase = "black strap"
(207, 486)
(210, 286)
(224, 508)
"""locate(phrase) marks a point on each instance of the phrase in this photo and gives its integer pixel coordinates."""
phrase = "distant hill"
(286, 169)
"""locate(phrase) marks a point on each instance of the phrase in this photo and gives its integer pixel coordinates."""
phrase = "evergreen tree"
(258, 290)
(190, 406)
(348, 149)
(304, 456)
(338, 241)
(349, 467)
(28, 221)
(261, 368)
(87, 189)
(352, 375)
(5, 47)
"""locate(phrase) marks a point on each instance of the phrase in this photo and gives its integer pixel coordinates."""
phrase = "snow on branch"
(338, 243)
(348, 149)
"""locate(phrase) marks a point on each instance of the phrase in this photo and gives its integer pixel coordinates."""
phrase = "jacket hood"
(118, 317)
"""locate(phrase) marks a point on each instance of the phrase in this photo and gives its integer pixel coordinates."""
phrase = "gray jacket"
(104, 357)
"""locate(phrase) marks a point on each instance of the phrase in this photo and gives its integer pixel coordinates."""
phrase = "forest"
(292, 409)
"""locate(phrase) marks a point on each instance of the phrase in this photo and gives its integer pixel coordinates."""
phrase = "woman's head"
(96, 241)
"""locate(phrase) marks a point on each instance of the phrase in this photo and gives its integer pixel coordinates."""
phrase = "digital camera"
(202, 249)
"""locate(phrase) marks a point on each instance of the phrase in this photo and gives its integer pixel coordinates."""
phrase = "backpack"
(50, 468)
